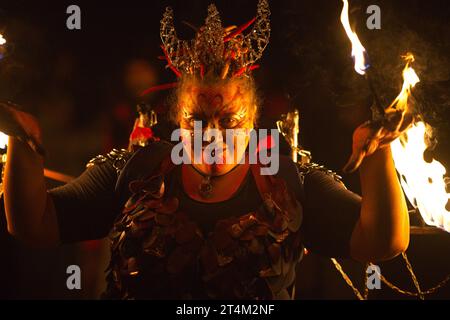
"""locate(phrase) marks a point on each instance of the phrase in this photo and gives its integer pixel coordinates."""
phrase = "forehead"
(212, 99)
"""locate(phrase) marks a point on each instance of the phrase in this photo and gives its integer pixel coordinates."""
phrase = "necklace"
(205, 188)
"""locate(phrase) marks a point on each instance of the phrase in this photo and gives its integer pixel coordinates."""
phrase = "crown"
(222, 52)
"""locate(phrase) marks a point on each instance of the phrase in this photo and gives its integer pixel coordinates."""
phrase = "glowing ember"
(422, 182)
(358, 52)
(2, 40)
(3, 140)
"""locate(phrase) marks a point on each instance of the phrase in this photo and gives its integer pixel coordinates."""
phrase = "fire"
(3, 137)
(3, 140)
(410, 79)
(359, 53)
(422, 182)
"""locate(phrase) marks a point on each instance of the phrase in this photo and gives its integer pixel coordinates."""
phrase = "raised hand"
(21, 125)
(374, 135)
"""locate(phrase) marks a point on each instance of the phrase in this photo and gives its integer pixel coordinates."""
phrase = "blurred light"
(3, 140)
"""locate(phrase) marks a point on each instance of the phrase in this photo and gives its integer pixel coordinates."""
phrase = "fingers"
(354, 162)
(8, 122)
(393, 120)
(21, 125)
(407, 122)
(370, 135)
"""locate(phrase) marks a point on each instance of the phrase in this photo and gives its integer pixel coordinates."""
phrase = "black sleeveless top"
(246, 247)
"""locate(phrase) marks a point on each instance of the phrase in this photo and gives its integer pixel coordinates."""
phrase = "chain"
(413, 276)
(347, 279)
(420, 294)
(366, 288)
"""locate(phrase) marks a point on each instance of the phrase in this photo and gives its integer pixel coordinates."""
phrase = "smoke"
(320, 54)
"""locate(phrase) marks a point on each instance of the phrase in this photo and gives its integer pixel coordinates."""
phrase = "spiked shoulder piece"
(117, 158)
(306, 168)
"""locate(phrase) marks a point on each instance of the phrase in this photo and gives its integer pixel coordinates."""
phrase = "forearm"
(29, 210)
(383, 227)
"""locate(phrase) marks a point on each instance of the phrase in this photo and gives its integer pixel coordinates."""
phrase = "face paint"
(218, 107)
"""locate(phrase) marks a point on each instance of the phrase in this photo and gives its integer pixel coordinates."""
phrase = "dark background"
(82, 85)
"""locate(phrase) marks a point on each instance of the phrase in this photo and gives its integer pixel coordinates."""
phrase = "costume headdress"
(222, 52)
(225, 51)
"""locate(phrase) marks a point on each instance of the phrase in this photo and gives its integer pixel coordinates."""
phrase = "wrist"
(381, 157)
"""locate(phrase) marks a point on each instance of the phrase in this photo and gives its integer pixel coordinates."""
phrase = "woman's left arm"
(382, 231)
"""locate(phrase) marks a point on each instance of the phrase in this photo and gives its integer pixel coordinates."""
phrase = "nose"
(212, 133)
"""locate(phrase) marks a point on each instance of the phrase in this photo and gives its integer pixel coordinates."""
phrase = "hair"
(246, 84)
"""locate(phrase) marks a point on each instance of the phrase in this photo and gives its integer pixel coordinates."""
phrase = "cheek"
(239, 141)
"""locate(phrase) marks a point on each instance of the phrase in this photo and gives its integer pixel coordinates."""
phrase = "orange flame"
(3, 137)
(410, 79)
(422, 182)
(3, 140)
(358, 51)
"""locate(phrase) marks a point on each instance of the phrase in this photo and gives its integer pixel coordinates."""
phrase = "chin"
(218, 169)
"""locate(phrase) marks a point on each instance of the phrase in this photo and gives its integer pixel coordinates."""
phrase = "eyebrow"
(224, 106)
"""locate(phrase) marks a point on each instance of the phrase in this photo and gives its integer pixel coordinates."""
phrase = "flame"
(3, 140)
(3, 137)
(422, 182)
(359, 53)
(410, 79)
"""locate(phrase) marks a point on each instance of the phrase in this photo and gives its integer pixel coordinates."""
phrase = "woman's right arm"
(30, 213)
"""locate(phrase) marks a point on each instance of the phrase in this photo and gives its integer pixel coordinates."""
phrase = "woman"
(210, 230)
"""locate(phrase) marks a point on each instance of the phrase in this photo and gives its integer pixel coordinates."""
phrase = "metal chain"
(413, 276)
(420, 294)
(347, 279)
(366, 288)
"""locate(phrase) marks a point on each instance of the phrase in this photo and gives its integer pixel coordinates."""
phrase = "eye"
(228, 122)
(191, 119)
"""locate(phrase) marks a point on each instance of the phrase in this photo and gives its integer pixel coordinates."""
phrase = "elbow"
(394, 248)
(388, 250)
(380, 249)
(394, 243)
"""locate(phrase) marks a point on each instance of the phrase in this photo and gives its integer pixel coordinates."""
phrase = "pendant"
(205, 188)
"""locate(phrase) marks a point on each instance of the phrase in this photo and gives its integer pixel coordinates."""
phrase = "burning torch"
(57, 176)
(423, 183)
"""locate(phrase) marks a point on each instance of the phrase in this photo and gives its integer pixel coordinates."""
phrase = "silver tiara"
(224, 52)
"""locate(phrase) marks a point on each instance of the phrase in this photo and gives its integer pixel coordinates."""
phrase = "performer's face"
(229, 105)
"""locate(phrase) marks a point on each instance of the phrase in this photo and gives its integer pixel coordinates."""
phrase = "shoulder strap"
(262, 182)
